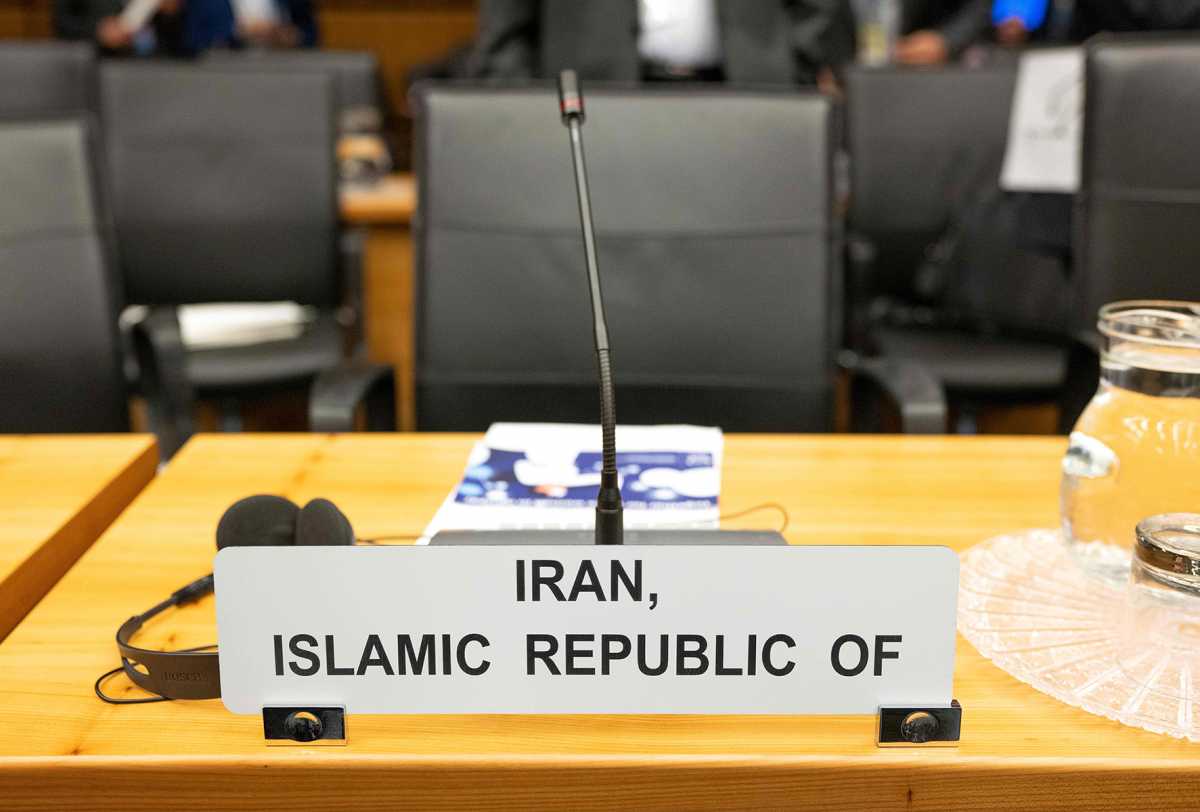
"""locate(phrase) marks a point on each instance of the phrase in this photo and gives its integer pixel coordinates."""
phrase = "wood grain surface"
(57, 495)
(62, 748)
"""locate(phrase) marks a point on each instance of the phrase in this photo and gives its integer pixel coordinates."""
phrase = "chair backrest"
(1138, 211)
(47, 78)
(920, 142)
(713, 219)
(60, 365)
(357, 82)
(224, 183)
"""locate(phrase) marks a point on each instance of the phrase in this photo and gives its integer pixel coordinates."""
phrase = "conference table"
(61, 747)
(57, 495)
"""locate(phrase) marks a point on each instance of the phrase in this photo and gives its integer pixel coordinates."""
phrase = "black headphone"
(256, 521)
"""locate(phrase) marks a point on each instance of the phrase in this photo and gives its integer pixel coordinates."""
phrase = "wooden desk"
(385, 210)
(390, 202)
(1021, 750)
(57, 495)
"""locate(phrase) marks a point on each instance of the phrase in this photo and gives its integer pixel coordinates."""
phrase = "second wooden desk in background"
(385, 210)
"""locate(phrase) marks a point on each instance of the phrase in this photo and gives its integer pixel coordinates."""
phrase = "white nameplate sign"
(737, 629)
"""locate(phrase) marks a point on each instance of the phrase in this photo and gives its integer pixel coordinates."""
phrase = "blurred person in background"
(1013, 23)
(937, 32)
(187, 27)
(101, 22)
(740, 41)
(209, 24)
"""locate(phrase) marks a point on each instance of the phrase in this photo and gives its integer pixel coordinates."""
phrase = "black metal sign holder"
(898, 725)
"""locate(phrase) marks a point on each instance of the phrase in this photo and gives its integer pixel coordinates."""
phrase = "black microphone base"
(587, 538)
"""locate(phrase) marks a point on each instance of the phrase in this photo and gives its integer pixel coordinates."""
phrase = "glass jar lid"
(1152, 347)
(1168, 547)
(1152, 322)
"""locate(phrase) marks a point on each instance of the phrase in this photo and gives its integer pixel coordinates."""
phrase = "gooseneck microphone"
(609, 522)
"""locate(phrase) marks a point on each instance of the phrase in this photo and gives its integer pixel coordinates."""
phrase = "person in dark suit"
(938, 30)
(83, 19)
(739, 41)
(1065, 21)
(211, 24)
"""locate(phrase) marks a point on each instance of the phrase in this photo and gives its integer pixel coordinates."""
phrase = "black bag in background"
(996, 268)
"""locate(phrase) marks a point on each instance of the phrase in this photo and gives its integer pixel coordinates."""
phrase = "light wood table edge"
(916, 781)
(343, 758)
(29, 582)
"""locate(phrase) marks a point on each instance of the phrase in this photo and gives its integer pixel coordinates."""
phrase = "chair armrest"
(351, 258)
(162, 374)
(860, 253)
(915, 391)
(337, 394)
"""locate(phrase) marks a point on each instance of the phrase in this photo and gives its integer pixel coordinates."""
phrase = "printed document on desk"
(525, 476)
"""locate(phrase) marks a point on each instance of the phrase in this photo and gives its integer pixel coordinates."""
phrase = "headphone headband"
(256, 520)
(188, 674)
(171, 674)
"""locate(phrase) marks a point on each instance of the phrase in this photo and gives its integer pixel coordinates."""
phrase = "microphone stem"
(609, 522)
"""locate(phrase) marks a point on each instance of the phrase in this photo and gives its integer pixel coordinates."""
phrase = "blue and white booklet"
(525, 476)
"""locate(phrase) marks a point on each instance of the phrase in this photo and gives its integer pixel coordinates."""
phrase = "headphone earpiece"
(321, 523)
(258, 521)
(272, 521)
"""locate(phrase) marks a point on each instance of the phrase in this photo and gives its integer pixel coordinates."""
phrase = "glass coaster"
(1027, 606)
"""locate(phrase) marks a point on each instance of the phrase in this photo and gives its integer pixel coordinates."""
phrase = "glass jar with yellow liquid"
(1135, 450)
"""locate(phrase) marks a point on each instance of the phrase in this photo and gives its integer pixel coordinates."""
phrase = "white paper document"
(240, 324)
(525, 476)
(1045, 128)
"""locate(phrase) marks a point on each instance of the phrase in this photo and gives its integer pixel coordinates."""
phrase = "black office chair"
(224, 190)
(926, 147)
(1139, 201)
(358, 90)
(360, 101)
(46, 78)
(717, 249)
(1138, 210)
(60, 353)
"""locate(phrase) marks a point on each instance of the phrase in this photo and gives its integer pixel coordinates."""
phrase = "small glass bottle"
(1159, 646)
(1135, 450)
